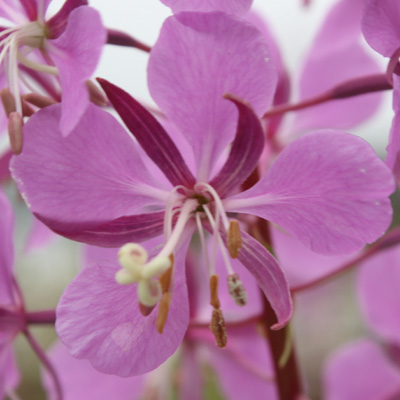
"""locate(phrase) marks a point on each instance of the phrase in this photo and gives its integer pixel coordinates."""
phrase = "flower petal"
(217, 54)
(9, 373)
(235, 7)
(337, 55)
(80, 381)
(150, 134)
(133, 228)
(360, 370)
(245, 152)
(378, 283)
(328, 189)
(99, 319)
(76, 54)
(269, 276)
(88, 179)
(380, 25)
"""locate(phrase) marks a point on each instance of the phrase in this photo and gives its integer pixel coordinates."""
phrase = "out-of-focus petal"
(80, 381)
(99, 320)
(328, 188)
(76, 54)
(9, 373)
(380, 25)
(360, 370)
(90, 178)
(245, 151)
(217, 54)
(244, 368)
(40, 235)
(378, 288)
(337, 55)
(235, 7)
(301, 265)
(6, 250)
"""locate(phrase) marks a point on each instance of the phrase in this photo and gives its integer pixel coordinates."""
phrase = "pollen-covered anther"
(218, 328)
(237, 290)
(8, 101)
(234, 239)
(163, 310)
(214, 300)
(15, 124)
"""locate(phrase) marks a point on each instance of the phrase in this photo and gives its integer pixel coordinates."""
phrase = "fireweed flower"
(328, 189)
(57, 53)
(365, 369)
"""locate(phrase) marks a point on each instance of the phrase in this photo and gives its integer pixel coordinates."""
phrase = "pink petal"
(76, 54)
(328, 189)
(217, 54)
(360, 370)
(378, 288)
(269, 276)
(39, 236)
(301, 265)
(9, 373)
(235, 7)
(244, 368)
(92, 177)
(380, 25)
(80, 381)
(99, 320)
(337, 55)
(245, 151)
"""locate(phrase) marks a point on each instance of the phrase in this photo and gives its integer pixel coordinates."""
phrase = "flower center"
(203, 205)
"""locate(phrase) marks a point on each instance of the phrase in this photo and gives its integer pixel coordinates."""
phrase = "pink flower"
(234, 7)
(328, 189)
(68, 46)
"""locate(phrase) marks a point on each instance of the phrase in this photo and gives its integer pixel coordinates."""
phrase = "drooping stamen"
(38, 100)
(8, 101)
(234, 239)
(236, 290)
(96, 95)
(15, 124)
(218, 328)
(165, 278)
(214, 300)
(163, 310)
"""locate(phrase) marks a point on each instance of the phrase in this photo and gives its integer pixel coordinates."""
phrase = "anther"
(96, 95)
(15, 124)
(214, 301)
(38, 100)
(8, 101)
(218, 328)
(234, 239)
(237, 290)
(165, 278)
(163, 310)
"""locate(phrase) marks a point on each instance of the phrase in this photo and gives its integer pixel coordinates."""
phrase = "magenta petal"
(245, 152)
(235, 7)
(380, 25)
(9, 373)
(336, 56)
(39, 236)
(245, 368)
(393, 148)
(133, 228)
(90, 178)
(270, 277)
(99, 319)
(150, 134)
(328, 189)
(217, 54)
(378, 288)
(80, 381)
(76, 54)
(360, 370)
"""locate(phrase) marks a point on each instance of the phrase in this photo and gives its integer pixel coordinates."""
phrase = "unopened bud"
(234, 239)
(217, 327)
(163, 310)
(237, 290)
(15, 124)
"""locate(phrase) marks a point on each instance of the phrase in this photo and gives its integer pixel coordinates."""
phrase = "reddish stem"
(123, 39)
(40, 317)
(46, 363)
(350, 88)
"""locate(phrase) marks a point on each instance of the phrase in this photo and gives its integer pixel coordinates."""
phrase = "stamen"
(165, 278)
(172, 201)
(218, 328)
(210, 268)
(48, 69)
(8, 101)
(236, 290)
(96, 95)
(163, 310)
(15, 124)
(234, 239)
(214, 301)
(38, 100)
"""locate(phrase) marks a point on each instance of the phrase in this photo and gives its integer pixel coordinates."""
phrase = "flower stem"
(350, 88)
(123, 39)
(40, 317)
(288, 381)
(46, 363)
